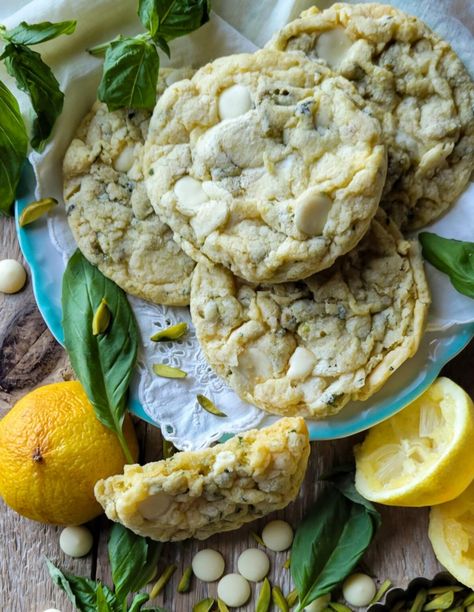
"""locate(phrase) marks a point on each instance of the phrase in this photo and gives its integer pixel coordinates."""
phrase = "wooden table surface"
(29, 357)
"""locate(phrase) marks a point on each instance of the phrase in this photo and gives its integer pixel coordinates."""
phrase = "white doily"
(170, 403)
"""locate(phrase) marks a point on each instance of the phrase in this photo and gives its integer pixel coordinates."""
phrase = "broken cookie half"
(196, 494)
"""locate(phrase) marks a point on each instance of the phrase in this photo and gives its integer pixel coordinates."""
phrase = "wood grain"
(30, 357)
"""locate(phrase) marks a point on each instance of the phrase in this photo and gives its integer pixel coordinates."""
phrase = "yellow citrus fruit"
(52, 452)
(451, 533)
(423, 455)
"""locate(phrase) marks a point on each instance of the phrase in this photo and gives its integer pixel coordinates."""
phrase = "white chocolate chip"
(332, 46)
(311, 212)
(190, 194)
(208, 565)
(319, 604)
(358, 590)
(12, 276)
(234, 101)
(124, 161)
(277, 535)
(253, 564)
(154, 506)
(301, 363)
(255, 363)
(76, 541)
(234, 590)
(208, 218)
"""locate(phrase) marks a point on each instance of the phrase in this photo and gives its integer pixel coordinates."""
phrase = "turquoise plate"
(436, 349)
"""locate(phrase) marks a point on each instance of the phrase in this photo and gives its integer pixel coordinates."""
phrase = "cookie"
(109, 212)
(265, 165)
(307, 348)
(196, 494)
(418, 89)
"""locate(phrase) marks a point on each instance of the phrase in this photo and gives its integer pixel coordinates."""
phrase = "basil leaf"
(342, 478)
(34, 77)
(130, 74)
(179, 17)
(138, 602)
(328, 545)
(133, 559)
(80, 591)
(13, 147)
(102, 605)
(163, 45)
(453, 257)
(148, 13)
(35, 33)
(102, 363)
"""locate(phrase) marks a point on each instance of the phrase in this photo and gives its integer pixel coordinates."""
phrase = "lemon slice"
(451, 533)
(422, 456)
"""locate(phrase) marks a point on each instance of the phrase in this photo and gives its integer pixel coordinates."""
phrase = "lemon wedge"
(451, 532)
(422, 456)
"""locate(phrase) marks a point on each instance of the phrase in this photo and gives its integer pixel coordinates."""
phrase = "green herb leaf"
(35, 33)
(342, 478)
(102, 605)
(138, 602)
(148, 13)
(35, 78)
(130, 74)
(80, 591)
(13, 147)
(328, 544)
(133, 559)
(179, 17)
(163, 45)
(453, 257)
(102, 363)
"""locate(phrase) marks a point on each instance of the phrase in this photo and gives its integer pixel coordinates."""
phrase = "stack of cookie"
(288, 176)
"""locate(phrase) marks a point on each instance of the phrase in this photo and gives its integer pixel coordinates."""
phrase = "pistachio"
(185, 582)
(221, 605)
(279, 599)
(439, 590)
(264, 597)
(168, 449)
(468, 601)
(162, 581)
(292, 598)
(386, 584)
(101, 319)
(442, 602)
(35, 210)
(337, 607)
(257, 538)
(208, 406)
(287, 563)
(174, 332)
(419, 601)
(167, 371)
(204, 605)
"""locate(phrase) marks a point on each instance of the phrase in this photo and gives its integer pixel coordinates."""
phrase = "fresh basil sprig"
(453, 257)
(103, 363)
(131, 64)
(13, 147)
(34, 77)
(133, 560)
(331, 540)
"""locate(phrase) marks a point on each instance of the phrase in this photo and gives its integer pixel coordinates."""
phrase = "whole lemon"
(52, 452)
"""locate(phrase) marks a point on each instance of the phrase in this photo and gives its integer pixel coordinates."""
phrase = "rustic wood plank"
(400, 551)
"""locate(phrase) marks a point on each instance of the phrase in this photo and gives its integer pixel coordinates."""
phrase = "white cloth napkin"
(172, 404)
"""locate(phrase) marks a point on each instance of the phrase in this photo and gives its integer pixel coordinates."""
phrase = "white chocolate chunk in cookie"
(332, 46)
(209, 217)
(190, 194)
(125, 159)
(312, 210)
(154, 506)
(234, 101)
(301, 363)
